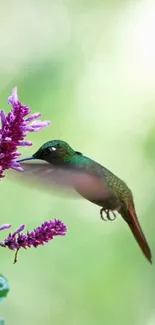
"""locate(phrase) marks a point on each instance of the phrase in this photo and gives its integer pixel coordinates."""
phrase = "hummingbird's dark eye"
(51, 149)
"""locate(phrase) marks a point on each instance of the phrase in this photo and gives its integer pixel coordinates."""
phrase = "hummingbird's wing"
(70, 181)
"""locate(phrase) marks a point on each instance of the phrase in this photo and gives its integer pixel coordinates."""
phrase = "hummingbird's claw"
(101, 214)
(114, 216)
(107, 212)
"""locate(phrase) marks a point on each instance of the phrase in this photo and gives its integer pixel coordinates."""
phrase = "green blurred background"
(89, 66)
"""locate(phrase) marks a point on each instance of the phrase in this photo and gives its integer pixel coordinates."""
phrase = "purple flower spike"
(14, 127)
(39, 236)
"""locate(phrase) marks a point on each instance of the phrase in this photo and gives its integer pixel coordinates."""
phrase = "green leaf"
(4, 287)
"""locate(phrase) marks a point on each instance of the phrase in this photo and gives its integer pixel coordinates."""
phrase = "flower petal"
(5, 226)
(13, 99)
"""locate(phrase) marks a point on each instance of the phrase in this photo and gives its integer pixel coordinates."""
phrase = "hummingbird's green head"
(54, 152)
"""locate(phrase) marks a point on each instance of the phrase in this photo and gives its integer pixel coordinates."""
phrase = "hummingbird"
(56, 162)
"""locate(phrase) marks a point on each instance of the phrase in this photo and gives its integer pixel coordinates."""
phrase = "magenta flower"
(14, 128)
(39, 236)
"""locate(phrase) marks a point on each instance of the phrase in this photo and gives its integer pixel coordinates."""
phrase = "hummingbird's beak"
(27, 158)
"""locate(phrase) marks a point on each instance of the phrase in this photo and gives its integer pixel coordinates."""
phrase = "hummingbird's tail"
(131, 218)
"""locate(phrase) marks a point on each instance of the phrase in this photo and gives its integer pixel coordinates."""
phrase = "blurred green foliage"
(86, 65)
(4, 287)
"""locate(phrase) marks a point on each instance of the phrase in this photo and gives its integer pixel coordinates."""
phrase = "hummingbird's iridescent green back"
(117, 187)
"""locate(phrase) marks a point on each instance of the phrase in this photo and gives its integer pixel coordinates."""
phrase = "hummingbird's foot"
(107, 212)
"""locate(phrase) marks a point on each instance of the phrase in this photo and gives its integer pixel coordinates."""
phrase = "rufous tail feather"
(131, 218)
